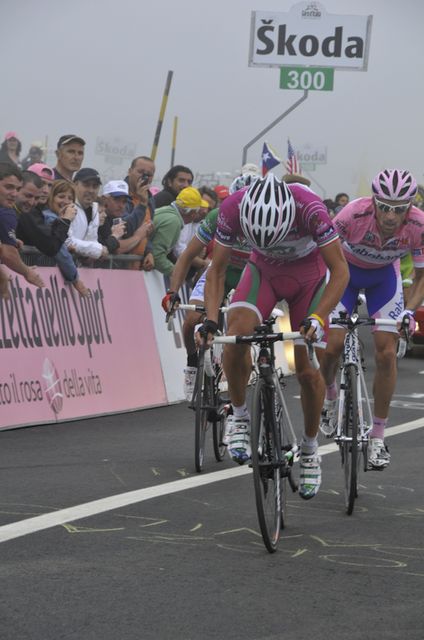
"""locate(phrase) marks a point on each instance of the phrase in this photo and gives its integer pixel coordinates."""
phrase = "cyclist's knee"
(309, 378)
(385, 358)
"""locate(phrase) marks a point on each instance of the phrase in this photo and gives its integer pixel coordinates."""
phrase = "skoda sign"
(309, 36)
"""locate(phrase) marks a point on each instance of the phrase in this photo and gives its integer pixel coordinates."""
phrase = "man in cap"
(70, 154)
(222, 192)
(46, 174)
(82, 235)
(169, 221)
(121, 231)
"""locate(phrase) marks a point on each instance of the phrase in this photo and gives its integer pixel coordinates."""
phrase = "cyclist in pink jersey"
(376, 232)
(293, 243)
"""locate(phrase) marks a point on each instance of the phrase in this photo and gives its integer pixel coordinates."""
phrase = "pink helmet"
(394, 184)
(267, 211)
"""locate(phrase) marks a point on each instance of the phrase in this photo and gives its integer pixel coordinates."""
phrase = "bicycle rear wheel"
(266, 463)
(203, 404)
(349, 441)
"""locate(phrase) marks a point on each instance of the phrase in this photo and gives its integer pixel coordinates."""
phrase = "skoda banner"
(309, 36)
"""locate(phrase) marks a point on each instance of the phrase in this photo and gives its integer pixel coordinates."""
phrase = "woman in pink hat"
(11, 148)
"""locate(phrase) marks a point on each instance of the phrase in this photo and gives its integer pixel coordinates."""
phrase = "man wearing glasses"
(376, 232)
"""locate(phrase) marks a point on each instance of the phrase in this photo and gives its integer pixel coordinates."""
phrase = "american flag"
(292, 164)
(269, 159)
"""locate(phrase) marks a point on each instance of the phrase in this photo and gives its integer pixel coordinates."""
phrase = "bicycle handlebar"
(355, 321)
(259, 338)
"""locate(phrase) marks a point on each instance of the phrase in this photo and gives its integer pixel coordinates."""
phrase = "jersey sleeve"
(228, 224)
(206, 230)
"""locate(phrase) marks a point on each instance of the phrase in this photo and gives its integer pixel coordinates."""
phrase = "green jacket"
(168, 224)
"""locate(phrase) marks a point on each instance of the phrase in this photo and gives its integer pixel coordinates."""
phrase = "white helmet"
(267, 212)
(242, 181)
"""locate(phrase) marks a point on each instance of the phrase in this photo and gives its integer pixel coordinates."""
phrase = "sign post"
(307, 44)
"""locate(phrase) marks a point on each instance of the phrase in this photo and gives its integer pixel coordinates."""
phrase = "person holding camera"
(139, 178)
(121, 232)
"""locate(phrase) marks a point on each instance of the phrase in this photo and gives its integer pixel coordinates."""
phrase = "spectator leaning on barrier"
(113, 232)
(10, 183)
(70, 156)
(28, 194)
(82, 236)
(140, 207)
(47, 176)
(176, 179)
(169, 221)
(32, 228)
(61, 206)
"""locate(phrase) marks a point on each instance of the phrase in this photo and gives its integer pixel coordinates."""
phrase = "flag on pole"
(292, 164)
(269, 159)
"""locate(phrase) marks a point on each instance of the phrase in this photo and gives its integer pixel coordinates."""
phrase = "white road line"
(49, 520)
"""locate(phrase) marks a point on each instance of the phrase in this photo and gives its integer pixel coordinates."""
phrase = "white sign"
(309, 36)
(309, 153)
(115, 150)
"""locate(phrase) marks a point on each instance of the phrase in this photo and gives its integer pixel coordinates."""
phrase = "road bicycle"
(209, 401)
(274, 444)
(354, 413)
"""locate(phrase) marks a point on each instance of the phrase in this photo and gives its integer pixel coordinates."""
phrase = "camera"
(144, 178)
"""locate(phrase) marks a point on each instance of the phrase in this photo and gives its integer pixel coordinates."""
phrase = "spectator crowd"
(65, 215)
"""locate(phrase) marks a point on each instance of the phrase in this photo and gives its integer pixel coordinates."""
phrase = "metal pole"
(161, 114)
(270, 126)
(174, 140)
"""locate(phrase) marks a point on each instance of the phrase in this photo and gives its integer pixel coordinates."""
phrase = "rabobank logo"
(311, 11)
(52, 386)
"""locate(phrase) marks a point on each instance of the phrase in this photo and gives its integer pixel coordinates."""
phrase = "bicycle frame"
(352, 355)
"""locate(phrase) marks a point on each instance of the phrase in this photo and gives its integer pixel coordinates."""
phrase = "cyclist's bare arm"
(215, 281)
(182, 266)
(339, 277)
(416, 290)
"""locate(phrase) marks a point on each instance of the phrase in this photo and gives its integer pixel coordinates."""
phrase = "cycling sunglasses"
(396, 208)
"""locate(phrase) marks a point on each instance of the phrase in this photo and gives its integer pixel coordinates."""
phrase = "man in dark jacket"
(177, 179)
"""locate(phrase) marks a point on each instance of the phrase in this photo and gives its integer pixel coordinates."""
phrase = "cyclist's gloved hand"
(407, 314)
(312, 321)
(208, 328)
(170, 300)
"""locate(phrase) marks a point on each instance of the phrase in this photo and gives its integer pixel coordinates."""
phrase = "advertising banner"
(309, 36)
(64, 356)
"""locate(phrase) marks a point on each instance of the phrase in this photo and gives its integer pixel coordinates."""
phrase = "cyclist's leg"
(335, 337)
(307, 283)
(384, 300)
(252, 299)
(192, 319)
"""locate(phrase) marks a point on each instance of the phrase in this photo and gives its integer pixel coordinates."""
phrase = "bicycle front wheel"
(203, 403)
(350, 437)
(220, 416)
(266, 463)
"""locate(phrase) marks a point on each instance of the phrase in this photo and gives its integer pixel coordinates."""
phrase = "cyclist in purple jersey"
(293, 243)
(376, 232)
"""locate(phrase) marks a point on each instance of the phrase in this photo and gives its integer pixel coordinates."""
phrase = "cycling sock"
(378, 427)
(240, 412)
(331, 392)
(308, 445)
(192, 359)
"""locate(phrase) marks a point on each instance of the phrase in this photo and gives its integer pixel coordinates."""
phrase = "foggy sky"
(98, 69)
